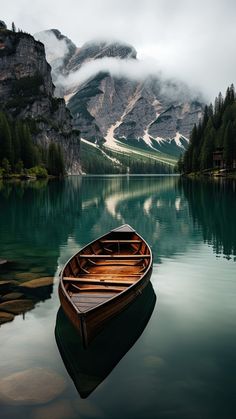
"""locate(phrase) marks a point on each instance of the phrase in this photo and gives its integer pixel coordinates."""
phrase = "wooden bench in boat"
(119, 241)
(98, 288)
(98, 281)
(94, 256)
(81, 274)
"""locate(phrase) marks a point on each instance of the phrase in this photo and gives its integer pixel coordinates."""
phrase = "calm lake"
(172, 359)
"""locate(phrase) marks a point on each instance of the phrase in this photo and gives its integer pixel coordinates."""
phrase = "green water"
(183, 363)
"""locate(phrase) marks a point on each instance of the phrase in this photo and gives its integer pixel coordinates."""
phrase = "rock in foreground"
(17, 306)
(32, 386)
(39, 282)
(5, 317)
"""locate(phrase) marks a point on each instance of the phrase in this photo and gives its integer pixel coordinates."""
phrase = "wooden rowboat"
(103, 278)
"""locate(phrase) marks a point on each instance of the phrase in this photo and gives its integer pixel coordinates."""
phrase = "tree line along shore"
(21, 157)
(212, 145)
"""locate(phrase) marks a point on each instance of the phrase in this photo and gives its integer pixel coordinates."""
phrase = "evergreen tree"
(16, 143)
(207, 147)
(6, 166)
(55, 162)
(6, 150)
(26, 146)
(19, 166)
(228, 144)
(216, 129)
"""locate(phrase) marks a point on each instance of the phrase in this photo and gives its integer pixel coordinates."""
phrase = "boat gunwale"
(117, 296)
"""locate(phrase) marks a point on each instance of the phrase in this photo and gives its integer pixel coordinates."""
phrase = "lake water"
(181, 363)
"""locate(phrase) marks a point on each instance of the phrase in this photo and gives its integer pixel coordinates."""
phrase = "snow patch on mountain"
(178, 138)
(110, 141)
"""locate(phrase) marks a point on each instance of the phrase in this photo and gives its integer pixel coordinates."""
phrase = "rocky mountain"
(27, 93)
(120, 112)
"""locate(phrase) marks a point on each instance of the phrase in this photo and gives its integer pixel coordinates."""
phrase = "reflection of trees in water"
(37, 218)
(213, 208)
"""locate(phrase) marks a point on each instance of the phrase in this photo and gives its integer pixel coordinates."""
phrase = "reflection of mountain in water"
(152, 205)
(89, 367)
(213, 208)
(43, 222)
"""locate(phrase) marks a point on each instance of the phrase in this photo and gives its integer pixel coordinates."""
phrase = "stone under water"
(6, 317)
(17, 306)
(7, 285)
(39, 282)
(31, 386)
(27, 275)
(12, 296)
(59, 409)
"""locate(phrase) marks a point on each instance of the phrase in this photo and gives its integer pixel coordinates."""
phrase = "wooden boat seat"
(94, 256)
(101, 275)
(98, 281)
(99, 288)
(119, 241)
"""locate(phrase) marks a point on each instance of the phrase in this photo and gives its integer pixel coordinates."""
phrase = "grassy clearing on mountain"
(103, 160)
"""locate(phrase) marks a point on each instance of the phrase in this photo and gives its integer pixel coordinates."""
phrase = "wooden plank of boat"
(109, 274)
(120, 241)
(98, 256)
(99, 281)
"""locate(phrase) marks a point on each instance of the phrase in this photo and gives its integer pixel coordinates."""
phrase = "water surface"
(183, 364)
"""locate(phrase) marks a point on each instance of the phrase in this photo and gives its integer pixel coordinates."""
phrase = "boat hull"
(90, 322)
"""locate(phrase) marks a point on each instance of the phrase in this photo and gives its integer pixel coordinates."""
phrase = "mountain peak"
(58, 47)
(105, 48)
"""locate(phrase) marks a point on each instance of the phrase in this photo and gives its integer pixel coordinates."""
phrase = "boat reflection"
(89, 367)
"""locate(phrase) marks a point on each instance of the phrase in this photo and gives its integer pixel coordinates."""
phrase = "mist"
(191, 41)
(131, 69)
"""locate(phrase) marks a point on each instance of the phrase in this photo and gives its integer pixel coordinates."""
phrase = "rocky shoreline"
(21, 291)
(213, 173)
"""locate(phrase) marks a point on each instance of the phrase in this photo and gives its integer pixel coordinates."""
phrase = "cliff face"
(152, 111)
(26, 92)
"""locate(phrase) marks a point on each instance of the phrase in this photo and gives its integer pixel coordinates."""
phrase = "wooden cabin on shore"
(219, 161)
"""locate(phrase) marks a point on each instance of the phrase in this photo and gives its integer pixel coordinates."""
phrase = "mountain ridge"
(110, 109)
(27, 94)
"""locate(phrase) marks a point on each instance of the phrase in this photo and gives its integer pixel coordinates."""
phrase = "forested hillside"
(18, 152)
(217, 129)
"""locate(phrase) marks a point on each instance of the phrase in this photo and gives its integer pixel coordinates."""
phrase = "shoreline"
(213, 174)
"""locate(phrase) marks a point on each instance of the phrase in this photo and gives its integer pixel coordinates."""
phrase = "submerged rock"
(39, 282)
(7, 285)
(12, 296)
(6, 317)
(60, 409)
(17, 306)
(32, 386)
(38, 269)
(27, 275)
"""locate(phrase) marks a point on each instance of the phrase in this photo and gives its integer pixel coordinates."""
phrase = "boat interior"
(104, 268)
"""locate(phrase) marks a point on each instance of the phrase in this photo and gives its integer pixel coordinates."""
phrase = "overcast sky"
(189, 39)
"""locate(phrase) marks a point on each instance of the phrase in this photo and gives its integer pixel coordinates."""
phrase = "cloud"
(129, 68)
(190, 40)
(55, 49)
(132, 69)
(126, 68)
